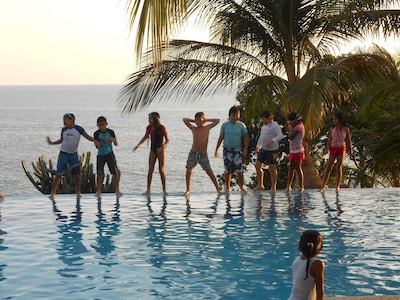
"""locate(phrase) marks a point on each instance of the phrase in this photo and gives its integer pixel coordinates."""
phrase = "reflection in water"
(230, 212)
(296, 204)
(156, 233)
(71, 247)
(107, 230)
(3, 235)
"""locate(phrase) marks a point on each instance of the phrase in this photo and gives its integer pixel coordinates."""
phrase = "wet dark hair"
(101, 119)
(340, 117)
(266, 114)
(233, 110)
(156, 117)
(293, 116)
(69, 116)
(310, 245)
(199, 115)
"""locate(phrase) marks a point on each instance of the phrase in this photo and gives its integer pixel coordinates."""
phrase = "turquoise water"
(236, 247)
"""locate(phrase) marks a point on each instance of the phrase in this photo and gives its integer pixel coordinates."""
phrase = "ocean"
(31, 113)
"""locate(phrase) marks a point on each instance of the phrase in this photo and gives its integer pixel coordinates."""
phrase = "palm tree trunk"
(312, 180)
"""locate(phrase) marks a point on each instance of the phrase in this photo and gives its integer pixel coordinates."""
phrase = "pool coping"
(365, 298)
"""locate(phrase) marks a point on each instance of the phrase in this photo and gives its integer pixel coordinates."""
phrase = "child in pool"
(339, 141)
(296, 155)
(308, 271)
(159, 140)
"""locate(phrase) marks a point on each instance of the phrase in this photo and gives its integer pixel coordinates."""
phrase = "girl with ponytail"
(308, 271)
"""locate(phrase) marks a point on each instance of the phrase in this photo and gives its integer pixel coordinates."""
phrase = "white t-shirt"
(271, 131)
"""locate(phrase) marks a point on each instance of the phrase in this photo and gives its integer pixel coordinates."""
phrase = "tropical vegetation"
(282, 55)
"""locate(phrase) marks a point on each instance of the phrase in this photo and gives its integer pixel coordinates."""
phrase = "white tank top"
(301, 289)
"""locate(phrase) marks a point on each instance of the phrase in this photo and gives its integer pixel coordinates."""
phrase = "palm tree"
(278, 52)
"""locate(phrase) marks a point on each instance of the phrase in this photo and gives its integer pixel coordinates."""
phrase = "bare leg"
(273, 172)
(99, 182)
(339, 171)
(117, 177)
(78, 185)
(56, 183)
(188, 178)
(260, 176)
(290, 176)
(152, 162)
(328, 171)
(300, 175)
(210, 173)
(161, 163)
(228, 177)
(241, 182)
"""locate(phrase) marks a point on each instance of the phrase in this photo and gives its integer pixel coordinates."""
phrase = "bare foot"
(244, 192)
(51, 197)
(219, 192)
(337, 189)
(258, 188)
(187, 194)
(119, 194)
(288, 189)
(301, 189)
(323, 189)
(165, 193)
(146, 192)
(272, 191)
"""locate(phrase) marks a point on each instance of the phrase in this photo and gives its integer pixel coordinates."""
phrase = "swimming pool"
(208, 248)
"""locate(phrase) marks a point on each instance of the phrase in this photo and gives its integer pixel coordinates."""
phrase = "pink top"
(296, 144)
(338, 137)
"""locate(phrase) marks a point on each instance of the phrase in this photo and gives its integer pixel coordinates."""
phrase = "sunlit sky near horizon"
(66, 42)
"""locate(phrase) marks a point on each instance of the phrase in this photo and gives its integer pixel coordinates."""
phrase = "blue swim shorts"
(65, 159)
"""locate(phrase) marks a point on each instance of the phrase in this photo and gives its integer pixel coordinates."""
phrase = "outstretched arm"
(87, 136)
(50, 142)
(144, 138)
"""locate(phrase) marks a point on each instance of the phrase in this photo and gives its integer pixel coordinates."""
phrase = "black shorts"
(268, 157)
(108, 159)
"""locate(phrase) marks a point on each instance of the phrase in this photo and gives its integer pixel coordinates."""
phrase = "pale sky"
(64, 42)
(67, 42)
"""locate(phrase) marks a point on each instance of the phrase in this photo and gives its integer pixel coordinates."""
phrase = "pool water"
(236, 247)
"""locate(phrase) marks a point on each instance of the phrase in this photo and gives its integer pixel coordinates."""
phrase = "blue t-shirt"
(232, 134)
(70, 138)
(101, 136)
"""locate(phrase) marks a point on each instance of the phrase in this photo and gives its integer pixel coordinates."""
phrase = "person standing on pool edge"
(231, 133)
(339, 138)
(159, 140)
(307, 270)
(69, 140)
(296, 154)
(267, 150)
(104, 137)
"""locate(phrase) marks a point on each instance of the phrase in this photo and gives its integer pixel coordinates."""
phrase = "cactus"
(46, 174)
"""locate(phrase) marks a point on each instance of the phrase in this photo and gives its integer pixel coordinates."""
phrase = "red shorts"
(337, 151)
(296, 157)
